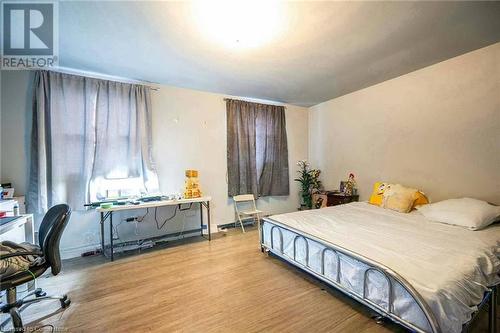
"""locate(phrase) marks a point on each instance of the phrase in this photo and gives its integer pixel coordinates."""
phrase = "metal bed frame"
(390, 276)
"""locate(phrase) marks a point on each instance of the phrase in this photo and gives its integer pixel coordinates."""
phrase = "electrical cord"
(140, 219)
(178, 207)
(158, 226)
(188, 208)
(166, 220)
(184, 220)
(183, 225)
(115, 230)
(136, 229)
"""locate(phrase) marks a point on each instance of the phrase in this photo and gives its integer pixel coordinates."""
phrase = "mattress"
(449, 266)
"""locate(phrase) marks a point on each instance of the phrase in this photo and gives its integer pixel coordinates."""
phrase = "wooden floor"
(226, 285)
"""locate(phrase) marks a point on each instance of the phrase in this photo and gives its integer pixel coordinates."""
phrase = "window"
(90, 138)
(101, 188)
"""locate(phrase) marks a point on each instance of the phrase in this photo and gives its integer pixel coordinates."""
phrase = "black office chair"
(49, 236)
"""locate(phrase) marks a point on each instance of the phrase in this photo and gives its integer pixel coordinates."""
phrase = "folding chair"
(245, 214)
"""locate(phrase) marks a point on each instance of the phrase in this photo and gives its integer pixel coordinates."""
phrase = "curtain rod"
(255, 101)
(100, 76)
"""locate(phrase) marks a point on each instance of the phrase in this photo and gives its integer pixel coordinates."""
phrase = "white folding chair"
(248, 213)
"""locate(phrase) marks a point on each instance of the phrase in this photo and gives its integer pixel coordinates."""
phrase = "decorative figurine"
(350, 185)
(192, 189)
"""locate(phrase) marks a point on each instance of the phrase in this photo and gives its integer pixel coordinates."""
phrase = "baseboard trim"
(74, 252)
(235, 224)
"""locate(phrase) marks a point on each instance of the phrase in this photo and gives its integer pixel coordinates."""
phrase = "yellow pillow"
(399, 198)
(379, 188)
(378, 193)
(421, 199)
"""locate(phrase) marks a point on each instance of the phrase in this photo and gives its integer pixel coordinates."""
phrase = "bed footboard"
(368, 282)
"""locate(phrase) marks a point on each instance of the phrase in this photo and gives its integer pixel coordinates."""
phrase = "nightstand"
(338, 198)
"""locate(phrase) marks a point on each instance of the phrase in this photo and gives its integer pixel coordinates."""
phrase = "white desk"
(19, 230)
(108, 213)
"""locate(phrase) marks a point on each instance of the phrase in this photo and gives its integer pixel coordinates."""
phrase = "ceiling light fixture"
(240, 24)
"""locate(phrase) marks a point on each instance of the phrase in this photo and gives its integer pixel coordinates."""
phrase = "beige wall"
(437, 129)
(189, 132)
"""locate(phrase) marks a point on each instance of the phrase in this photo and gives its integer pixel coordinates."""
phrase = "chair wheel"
(40, 293)
(379, 319)
(65, 302)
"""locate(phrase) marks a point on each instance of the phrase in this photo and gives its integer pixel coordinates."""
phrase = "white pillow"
(466, 212)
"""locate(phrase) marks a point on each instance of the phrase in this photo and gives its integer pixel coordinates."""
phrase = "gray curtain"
(272, 151)
(85, 130)
(257, 152)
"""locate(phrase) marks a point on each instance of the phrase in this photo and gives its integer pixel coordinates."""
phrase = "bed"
(426, 276)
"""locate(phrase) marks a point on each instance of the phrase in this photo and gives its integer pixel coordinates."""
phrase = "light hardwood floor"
(226, 285)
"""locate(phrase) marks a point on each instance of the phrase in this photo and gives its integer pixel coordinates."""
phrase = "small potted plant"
(309, 183)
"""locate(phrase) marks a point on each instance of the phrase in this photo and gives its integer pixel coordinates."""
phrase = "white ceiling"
(324, 49)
